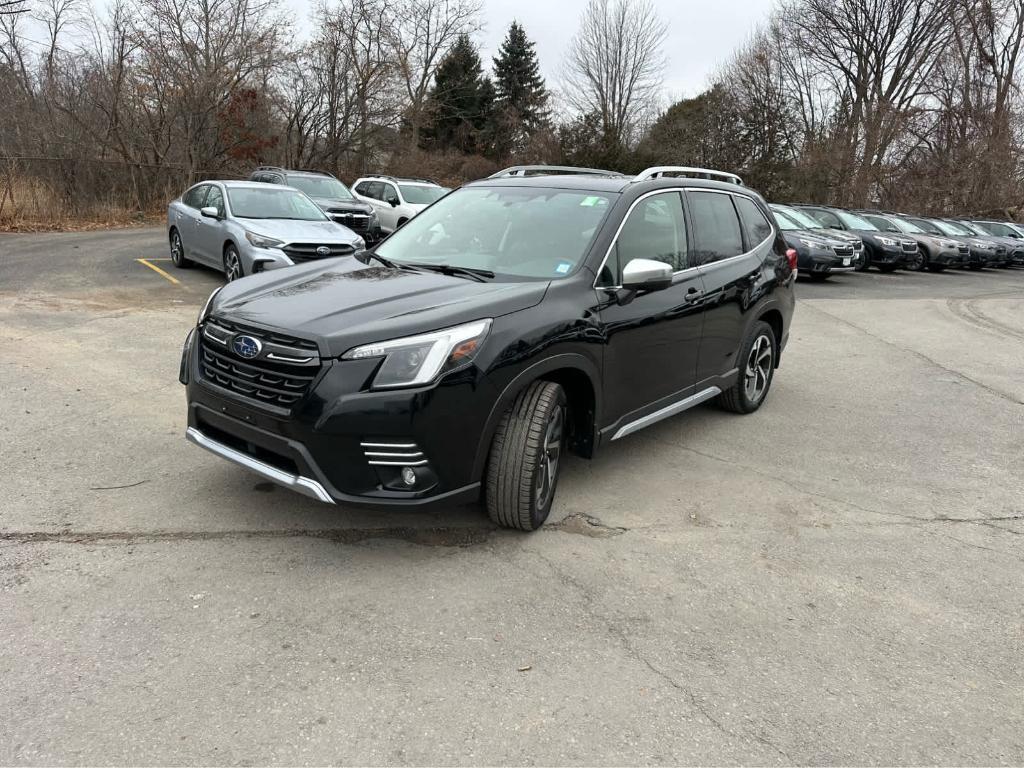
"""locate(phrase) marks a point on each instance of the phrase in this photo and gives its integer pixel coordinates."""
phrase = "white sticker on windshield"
(563, 267)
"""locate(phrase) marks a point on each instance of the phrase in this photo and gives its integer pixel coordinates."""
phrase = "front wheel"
(863, 262)
(757, 355)
(918, 262)
(526, 453)
(232, 264)
(178, 251)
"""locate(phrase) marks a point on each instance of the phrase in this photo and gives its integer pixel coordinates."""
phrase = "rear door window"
(755, 225)
(716, 227)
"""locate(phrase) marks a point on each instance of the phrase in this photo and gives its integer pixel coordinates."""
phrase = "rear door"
(652, 341)
(732, 238)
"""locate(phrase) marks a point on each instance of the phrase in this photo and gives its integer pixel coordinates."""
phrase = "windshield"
(799, 217)
(971, 229)
(853, 221)
(785, 222)
(882, 223)
(518, 231)
(417, 195)
(923, 225)
(320, 186)
(272, 203)
(908, 226)
(1000, 230)
(949, 228)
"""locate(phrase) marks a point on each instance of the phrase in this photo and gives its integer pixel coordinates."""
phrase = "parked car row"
(822, 237)
(281, 217)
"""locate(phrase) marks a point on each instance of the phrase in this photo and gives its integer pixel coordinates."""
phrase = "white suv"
(397, 200)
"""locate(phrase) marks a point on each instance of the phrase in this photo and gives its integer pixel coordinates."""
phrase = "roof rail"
(550, 170)
(700, 173)
(269, 168)
(398, 179)
(314, 170)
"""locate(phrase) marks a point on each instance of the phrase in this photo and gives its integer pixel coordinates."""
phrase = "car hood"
(291, 231)
(342, 206)
(794, 237)
(342, 303)
(839, 234)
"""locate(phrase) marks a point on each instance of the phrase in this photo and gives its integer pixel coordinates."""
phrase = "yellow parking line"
(159, 271)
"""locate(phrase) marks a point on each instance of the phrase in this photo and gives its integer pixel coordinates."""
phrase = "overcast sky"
(701, 34)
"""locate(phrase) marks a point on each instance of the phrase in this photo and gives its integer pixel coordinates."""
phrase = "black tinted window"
(716, 229)
(755, 225)
(655, 229)
(374, 189)
(195, 196)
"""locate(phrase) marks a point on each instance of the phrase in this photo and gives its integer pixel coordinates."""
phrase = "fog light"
(408, 475)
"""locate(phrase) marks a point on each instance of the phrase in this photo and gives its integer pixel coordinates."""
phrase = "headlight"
(359, 244)
(261, 241)
(981, 244)
(206, 307)
(948, 243)
(887, 241)
(416, 360)
(810, 243)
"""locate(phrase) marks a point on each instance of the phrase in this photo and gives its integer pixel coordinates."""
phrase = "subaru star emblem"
(246, 346)
(323, 250)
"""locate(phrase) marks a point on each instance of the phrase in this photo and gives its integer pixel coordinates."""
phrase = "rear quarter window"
(755, 225)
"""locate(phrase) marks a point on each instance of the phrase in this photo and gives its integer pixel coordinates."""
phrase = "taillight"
(791, 258)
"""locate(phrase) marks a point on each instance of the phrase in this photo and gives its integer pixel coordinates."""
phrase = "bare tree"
(615, 66)
(422, 33)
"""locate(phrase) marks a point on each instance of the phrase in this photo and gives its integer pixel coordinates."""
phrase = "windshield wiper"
(367, 255)
(480, 275)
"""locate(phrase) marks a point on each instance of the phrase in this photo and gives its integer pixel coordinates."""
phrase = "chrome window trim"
(644, 196)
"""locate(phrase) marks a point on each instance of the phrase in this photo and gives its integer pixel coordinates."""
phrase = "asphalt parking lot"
(836, 579)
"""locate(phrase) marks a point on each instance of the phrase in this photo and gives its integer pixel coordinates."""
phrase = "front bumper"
(341, 443)
(885, 254)
(820, 261)
(949, 257)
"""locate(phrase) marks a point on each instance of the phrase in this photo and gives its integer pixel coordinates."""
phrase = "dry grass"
(32, 205)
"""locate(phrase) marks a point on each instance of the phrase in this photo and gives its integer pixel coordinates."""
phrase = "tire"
(976, 267)
(742, 398)
(864, 262)
(401, 223)
(178, 250)
(920, 262)
(818, 277)
(523, 468)
(232, 263)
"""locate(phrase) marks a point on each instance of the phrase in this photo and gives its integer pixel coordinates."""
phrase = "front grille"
(298, 252)
(964, 250)
(393, 454)
(909, 246)
(858, 247)
(357, 222)
(1000, 250)
(280, 375)
(844, 251)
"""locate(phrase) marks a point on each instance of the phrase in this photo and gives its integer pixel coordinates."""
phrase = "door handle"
(692, 295)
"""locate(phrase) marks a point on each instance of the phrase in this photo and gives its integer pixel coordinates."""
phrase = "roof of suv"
(607, 184)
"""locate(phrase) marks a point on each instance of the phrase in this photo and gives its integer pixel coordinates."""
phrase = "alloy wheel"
(232, 265)
(177, 251)
(550, 455)
(759, 368)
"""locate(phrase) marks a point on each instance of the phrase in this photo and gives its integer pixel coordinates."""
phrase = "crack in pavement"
(582, 524)
(624, 641)
(959, 374)
(913, 521)
(432, 537)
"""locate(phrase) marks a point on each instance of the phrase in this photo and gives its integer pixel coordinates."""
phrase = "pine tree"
(522, 97)
(462, 101)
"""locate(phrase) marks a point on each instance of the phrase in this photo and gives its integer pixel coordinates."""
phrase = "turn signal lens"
(791, 258)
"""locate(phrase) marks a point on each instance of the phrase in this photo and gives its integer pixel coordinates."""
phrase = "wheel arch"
(579, 377)
(773, 317)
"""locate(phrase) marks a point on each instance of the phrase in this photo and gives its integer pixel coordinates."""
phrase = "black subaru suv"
(513, 320)
(333, 198)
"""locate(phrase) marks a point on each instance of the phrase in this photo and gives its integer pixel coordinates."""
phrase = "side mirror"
(646, 275)
(393, 202)
(210, 212)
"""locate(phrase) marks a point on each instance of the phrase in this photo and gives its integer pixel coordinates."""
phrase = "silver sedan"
(244, 227)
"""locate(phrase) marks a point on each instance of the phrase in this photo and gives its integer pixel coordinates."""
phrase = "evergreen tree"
(522, 97)
(462, 102)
